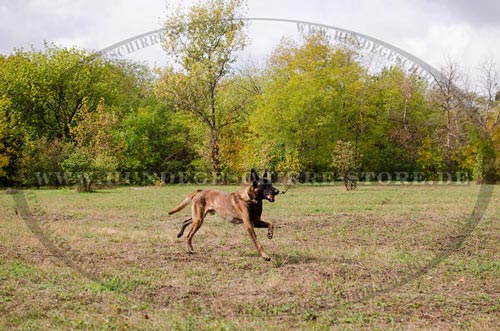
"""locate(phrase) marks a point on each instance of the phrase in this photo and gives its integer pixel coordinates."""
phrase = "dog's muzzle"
(270, 197)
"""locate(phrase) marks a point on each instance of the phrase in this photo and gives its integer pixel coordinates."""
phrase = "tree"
(39, 162)
(204, 41)
(346, 160)
(449, 99)
(49, 88)
(47, 93)
(155, 140)
(310, 99)
(483, 108)
(237, 98)
(404, 119)
(95, 153)
(430, 159)
(4, 134)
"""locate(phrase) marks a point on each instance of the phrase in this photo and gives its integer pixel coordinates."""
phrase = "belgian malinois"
(244, 207)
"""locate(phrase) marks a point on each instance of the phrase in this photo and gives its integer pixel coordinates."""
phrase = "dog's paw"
(270, 231)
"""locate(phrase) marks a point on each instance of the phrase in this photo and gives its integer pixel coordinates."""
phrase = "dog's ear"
(265, 174)
(253, 176)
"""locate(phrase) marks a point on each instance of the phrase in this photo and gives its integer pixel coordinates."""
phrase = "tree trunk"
(214, 134)
(449, 165)
(214, 150)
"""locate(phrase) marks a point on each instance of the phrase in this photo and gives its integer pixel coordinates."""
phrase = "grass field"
(379, 257)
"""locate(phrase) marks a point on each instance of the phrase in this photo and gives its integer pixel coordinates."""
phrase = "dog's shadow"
(280, 260)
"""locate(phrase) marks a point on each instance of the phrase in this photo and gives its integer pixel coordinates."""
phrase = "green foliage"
(46, 94)
(95, 152)
(155, 139)
(401, 121)
(289, 165)
(315, 95)
(430, 159)
(4, 133)
(49, 88)
(68, 109)
(485, 168)
(302, 103)
(236, 101)
(347, 162)
(84, 169)
(204, 40)
(40, 162)
(79, 166)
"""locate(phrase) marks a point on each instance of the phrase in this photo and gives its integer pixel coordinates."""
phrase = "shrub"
(346, 160)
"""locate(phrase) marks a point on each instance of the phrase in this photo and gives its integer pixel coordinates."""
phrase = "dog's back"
(187, 200)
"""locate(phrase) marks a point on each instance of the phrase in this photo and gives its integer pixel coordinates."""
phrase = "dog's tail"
(184, 202)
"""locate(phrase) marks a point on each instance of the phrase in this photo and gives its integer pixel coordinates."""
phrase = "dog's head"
(262, 187)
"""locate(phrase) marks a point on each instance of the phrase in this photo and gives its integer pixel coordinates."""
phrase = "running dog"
(244, 207)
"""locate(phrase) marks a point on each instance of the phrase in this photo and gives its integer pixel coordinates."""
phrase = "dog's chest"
(255, 209)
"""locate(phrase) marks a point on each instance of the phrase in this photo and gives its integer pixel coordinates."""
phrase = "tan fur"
(237, 207)
(184, 203)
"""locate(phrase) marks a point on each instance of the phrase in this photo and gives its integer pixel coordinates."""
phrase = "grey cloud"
(476, 12)
(22, 25)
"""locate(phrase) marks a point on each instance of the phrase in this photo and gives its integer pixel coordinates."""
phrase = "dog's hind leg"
(268, 226)
(187, 223)
(184, 226)
(198, 213)
(194, 228)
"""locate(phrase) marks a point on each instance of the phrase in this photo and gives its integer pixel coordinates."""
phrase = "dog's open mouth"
(270, 198)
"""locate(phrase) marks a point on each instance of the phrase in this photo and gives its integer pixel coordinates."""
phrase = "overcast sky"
(467, 32)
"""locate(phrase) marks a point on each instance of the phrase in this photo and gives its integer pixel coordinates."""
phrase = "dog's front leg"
(268, 226)
(249, 226)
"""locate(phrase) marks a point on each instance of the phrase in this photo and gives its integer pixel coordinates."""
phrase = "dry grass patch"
(340, 260)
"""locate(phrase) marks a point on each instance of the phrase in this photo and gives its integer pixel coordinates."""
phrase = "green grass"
(340, 260)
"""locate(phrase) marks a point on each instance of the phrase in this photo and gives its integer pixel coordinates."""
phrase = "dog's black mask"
(263, 187)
